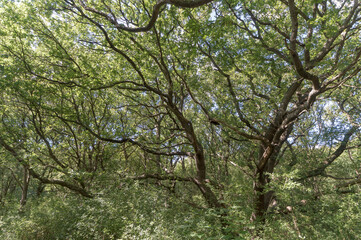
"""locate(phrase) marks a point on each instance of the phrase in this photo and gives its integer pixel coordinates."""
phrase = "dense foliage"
(180, 119)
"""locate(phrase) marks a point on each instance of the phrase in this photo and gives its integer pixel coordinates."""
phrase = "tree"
(216, 86)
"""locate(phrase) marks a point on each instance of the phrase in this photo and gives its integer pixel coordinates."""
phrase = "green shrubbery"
(124, 214)
(132, 213)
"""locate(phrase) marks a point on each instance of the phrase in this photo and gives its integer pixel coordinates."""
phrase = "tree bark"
(24, 187)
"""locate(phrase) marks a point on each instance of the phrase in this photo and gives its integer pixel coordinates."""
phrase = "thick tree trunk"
(266, 165)
(263, 198)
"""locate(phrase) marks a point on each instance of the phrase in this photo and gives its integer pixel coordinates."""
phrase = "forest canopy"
(180, 119)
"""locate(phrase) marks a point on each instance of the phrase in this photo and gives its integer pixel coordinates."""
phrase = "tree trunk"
(25, 187)
(266, 165)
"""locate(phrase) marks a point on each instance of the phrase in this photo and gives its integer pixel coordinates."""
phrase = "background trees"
(247, 112)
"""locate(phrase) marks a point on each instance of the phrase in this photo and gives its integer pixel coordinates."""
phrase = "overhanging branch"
(44, 180)
(320, 170)
(155, 13)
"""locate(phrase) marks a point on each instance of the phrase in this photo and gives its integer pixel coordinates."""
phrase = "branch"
(328, 46)
(70, 186)
(122, 53)
(160, 177)
(125, 140)
(320, 170)
(231, 90)
(350, 183)
(293, 48)
(155, 13)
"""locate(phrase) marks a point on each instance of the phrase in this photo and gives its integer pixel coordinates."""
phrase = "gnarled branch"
(155, 13)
